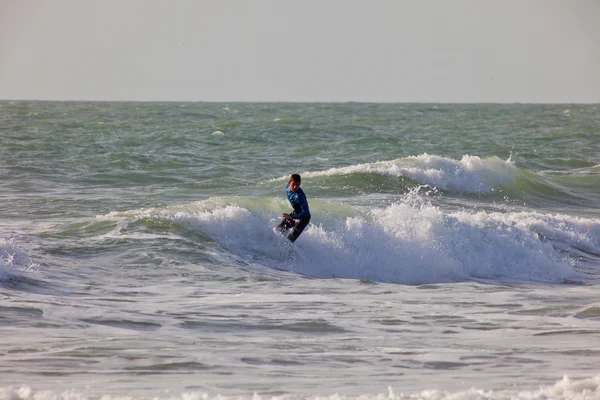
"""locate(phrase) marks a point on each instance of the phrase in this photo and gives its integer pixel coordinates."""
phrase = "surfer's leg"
(298, 229)
(286, 224)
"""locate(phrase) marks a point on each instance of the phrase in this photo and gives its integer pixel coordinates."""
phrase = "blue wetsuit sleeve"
(305, 211)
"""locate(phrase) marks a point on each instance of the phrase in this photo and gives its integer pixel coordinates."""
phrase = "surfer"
(300, 217)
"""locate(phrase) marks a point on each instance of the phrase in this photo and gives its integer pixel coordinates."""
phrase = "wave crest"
(407, 243)
(471, 174)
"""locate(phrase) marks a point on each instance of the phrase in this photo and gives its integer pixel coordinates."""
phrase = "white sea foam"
(471, 174)
(565, 389)
(401, 243)
(12, 259)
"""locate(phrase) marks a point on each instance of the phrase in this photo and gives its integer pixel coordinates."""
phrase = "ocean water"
(453, 252)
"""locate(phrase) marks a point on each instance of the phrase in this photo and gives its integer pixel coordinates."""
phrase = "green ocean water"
(171, 152)
(138, 257)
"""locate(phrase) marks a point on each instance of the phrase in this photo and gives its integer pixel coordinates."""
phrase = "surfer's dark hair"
(295, 178)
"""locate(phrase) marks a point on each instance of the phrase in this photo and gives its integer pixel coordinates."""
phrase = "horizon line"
(305, 102)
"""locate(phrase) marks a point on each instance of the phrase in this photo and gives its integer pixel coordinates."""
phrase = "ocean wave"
(406, 243)
(564, 389)
(471, 174)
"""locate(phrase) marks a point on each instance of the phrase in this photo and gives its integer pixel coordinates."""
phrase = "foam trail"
(565, 389)
(471, 174)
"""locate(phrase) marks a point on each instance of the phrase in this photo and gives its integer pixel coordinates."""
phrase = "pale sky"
(530, 51)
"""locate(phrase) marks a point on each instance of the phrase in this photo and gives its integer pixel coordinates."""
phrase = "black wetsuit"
(300, 216)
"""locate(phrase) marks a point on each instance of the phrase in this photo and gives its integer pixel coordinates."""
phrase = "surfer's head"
(294, 182)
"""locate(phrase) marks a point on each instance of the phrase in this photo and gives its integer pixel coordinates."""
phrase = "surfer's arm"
(304, 210)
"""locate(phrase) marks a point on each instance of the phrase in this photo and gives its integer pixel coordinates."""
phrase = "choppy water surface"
(453, 252)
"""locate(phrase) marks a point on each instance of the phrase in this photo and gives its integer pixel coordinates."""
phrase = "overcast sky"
(544, 51)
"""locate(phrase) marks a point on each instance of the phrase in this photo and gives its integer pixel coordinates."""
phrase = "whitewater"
(453, 251)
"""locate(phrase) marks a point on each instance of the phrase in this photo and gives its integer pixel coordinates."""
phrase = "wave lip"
(472, 174)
